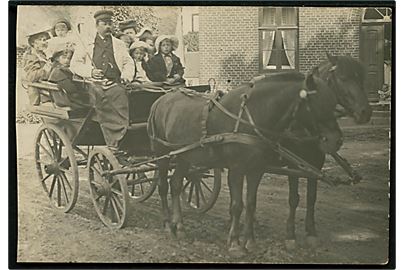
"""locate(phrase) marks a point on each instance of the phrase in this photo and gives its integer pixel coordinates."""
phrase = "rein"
(260, 130)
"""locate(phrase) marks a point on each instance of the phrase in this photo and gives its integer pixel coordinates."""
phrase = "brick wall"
(229, 44)
(333, 30)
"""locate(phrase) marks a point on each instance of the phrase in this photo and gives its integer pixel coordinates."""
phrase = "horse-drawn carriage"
(69, 140)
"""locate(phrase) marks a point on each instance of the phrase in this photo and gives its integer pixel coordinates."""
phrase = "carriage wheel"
(109, 193)
(201, 191)
(142, 185)
(56, 167)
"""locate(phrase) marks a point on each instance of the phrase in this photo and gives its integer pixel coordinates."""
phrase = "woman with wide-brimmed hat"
(165, 66)
(36, 65)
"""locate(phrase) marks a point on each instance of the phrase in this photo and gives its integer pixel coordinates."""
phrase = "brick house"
(237, 43)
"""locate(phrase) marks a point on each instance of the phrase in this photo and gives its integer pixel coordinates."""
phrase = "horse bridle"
(340, 95)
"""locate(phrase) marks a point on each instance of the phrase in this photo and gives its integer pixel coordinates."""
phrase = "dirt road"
(352, 221)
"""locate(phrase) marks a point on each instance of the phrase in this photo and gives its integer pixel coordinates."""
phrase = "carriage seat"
(50, 109)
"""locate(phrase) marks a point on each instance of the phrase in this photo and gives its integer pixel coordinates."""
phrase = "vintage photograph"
(204, 134)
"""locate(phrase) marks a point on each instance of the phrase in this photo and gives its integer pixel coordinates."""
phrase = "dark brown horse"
(345, 77)
(274, 102)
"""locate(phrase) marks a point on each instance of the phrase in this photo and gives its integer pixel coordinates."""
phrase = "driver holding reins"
(106, 60)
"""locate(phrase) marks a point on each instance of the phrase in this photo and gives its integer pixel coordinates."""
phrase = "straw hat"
(35, 34)
(138, 44)
(60, 49)
(143, 31)
(173, 39)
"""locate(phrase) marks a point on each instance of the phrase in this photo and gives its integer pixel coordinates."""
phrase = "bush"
(191, 41)
(25, 117)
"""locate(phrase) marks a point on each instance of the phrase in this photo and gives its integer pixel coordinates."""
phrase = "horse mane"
(350, 66)
(281, 76)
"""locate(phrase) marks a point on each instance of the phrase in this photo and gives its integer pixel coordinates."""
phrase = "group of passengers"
(109, 62)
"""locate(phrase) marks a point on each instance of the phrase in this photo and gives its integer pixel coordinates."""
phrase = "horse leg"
(163, 189)
(176, 185)
(293, 201)
(253, 181)
(312, 185)
(235, 183)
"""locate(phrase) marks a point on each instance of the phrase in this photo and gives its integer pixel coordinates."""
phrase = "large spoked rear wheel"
(142, 185)
(109, 193)
(201, 190)
(56, 167)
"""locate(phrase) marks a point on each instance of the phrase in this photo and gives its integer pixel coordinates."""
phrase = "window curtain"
(289, 42)
(268, 41)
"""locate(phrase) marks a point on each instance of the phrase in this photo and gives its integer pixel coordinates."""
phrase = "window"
(278, 29)
(377, 15)
(195, 21)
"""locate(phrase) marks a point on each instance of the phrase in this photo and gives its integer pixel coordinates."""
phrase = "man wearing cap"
(128, 27)
(36, 66)
(106, 58)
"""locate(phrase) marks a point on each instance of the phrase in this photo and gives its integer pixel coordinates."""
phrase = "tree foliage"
(144, 16)
(191, 41)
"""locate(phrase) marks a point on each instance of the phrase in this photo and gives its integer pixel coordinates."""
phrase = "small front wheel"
(201, 190)
(108, 192)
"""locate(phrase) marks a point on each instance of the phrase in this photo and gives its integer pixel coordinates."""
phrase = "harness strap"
(251, 123)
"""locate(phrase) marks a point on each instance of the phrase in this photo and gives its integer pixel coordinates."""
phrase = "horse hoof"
(312, 241)
(237, 251)
(290, 244)
(251, 246)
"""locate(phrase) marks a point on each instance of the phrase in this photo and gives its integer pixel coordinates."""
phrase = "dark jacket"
(157, 68)
(145, 67)
(74, 94)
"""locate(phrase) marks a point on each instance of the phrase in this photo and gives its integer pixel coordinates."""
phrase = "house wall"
(333, 30)
(229, 44)
(229, 40)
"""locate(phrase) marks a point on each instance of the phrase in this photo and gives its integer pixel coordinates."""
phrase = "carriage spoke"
(190, 194)
(114, 182)
(65, 170)
(52, 186)
(105, 207)
(199, 189)
(98, 197)
(96, 170)
(64, 189)
(142, 191)
(118, 203)
(59, 193)
(46, 151)
(117, 214)
(206, 186)
(48, 142)
(116, 192)
(66, 180)
(186, 185)
(197, 195)
(46, 177)
(98, 161)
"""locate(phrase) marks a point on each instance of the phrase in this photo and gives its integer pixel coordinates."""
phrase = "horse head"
(316, 112)
(346, 77)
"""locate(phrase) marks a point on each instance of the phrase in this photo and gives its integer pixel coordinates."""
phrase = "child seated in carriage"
(72, 95)
(61, 36)
(138, 52)
(165, 66)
